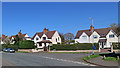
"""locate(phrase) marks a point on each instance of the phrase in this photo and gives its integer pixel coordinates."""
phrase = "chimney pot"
(45, 30)
(91, 28)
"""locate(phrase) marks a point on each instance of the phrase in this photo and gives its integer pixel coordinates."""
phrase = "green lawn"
(110, 59)
(90, 57)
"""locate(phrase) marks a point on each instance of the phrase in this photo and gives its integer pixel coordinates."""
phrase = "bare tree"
(68, 36)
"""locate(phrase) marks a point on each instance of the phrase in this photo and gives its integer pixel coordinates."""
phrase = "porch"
(44, 44)
(103, 46)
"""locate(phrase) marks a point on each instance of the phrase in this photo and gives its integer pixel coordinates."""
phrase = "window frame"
(95, 36)
(56, 40)
(37, 38)
(111, 36)
(84, 36)
(44, 38)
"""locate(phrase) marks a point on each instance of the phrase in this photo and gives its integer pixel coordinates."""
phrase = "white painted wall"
(95, 40)
(114, 39)
(28, 38)
(83, 39)
(26, 35)
(56, 36)
(12, 42)
(35, 41)
(2, 42)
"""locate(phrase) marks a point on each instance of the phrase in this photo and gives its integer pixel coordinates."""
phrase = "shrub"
(110, 58)
(15, 47)
(26, 44)
(78, 46)
(116, 45)
(90, 57)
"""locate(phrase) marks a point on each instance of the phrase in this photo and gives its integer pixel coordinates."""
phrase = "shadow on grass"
(110, 54)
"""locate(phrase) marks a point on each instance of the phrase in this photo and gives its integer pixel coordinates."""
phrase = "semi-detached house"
(104, 36)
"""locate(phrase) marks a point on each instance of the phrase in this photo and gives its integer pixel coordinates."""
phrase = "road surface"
(42, 59)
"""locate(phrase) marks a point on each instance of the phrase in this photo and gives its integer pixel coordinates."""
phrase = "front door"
(45, 47)
(102, 45)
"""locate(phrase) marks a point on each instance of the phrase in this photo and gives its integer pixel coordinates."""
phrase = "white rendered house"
(45, 38)
(20, 35)
(105, 37)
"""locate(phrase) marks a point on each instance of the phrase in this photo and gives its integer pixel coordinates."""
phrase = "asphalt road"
(41, 59)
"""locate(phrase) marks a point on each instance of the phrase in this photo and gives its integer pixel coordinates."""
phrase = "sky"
(32, 17)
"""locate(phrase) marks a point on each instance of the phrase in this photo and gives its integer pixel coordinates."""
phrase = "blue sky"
(32, 17)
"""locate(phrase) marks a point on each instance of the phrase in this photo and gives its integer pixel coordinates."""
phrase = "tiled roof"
(3, 37)
(20, 35)
(49, 34)
(99, 31)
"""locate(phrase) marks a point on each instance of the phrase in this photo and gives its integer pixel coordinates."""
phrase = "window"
(56, 39)
(95, 36)
(110, 43)
(37, 39)
(84, 36)
(44, 38)
(103, 34)
(111, 36)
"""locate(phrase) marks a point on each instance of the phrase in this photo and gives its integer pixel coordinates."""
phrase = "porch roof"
(102, 40)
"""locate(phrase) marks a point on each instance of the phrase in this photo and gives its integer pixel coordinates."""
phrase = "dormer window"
(103, 34)
(44, 38)
(56, 39)
(95, 36)
(84, 36)
(37, 38)
(111, 36)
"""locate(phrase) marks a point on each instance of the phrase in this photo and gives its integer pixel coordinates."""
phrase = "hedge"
(80, 46)
(15, 47)
(26, 44)
(116, 45)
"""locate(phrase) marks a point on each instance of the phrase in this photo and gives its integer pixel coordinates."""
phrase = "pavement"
(101, 62)
(42, 59)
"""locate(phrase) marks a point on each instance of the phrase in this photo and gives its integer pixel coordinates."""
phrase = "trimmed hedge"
(116, 45)
(15, 47)
(26, 44)
(78, 46)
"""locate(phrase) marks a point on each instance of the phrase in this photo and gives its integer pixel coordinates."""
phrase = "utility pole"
(92, 36)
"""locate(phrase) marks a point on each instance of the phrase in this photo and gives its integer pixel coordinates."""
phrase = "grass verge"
(90, 57)
(68, 52)
(22, 52)
(110, 59)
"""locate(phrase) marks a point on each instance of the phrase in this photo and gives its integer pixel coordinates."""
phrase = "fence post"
(104, 56)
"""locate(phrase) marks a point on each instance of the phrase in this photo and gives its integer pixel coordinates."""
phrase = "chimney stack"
(91, 28)
(45, 30)
(19, 33)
